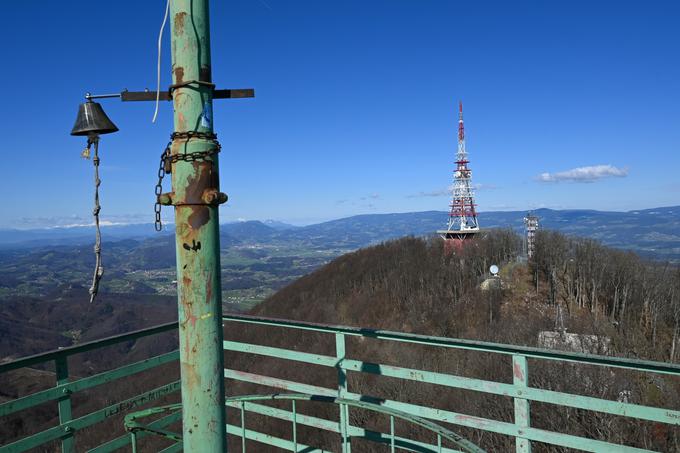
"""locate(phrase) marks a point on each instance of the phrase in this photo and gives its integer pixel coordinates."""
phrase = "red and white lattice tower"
(463, 222)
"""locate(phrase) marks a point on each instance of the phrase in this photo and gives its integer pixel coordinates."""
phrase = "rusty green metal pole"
(195, 184)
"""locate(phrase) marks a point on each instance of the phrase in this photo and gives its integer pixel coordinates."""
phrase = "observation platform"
(458, 234)
(352, 358)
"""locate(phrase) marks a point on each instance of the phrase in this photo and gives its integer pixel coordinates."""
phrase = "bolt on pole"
(194, 184)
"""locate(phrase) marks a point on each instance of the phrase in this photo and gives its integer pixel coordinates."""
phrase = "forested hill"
(413, 285)
(408, 284)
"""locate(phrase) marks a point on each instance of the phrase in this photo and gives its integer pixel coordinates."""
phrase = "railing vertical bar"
(295, 447)
(342, 391)
(133, 441)
(64, 402)
(439, 443)
(243, 427)
(520, 378)
(392, 433)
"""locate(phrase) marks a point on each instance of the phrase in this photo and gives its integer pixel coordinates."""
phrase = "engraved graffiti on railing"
(143, 399)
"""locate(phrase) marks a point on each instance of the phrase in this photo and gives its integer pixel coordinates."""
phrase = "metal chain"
(158, 225)
(211, 136)
(167, 159)
(98, 268)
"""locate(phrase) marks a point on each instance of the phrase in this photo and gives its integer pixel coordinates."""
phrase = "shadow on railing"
(519, 390)
(441, 434)
(66, 388)
(67, 429)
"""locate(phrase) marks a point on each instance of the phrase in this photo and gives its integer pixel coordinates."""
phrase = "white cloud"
(89, 224)
(482, 186)
(357, 201)
(373, 196)
(76, 220)
(433, 193)
(449, 190)
(584, 174)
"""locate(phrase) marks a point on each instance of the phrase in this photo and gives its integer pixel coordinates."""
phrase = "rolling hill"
(259, 258)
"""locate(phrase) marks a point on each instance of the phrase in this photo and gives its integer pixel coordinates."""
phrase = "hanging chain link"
(98, 268)
(158, 224)
(167, 159)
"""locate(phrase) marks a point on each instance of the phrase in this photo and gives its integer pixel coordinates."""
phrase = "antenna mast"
(463, 215)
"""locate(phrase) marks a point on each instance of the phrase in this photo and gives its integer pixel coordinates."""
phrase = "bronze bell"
(92, 120)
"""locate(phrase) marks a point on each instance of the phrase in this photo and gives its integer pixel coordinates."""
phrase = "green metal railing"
(519, 390)
(442, 434)
(62, 393)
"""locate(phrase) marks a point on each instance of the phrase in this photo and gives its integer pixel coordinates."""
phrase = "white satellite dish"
(493, 269)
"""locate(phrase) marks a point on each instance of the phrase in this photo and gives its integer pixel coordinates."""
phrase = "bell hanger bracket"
(146, 95)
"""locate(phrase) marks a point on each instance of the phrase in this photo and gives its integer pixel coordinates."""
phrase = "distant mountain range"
(39, 237)
(259, 258)
(651, 232)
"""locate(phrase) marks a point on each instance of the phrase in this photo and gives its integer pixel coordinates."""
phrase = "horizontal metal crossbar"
(268, 439)
(65, 429)
(332, 426)
(64, 389)
(445, 416)
(481, 346)
(358, 403)
(57, 392)
(133, 424)
(85, 347)
(497, 388)
(124, 440)
(282, 414)
(127, 96)
(519, 390)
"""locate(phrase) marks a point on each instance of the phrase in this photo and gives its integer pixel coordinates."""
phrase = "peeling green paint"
(197, 233)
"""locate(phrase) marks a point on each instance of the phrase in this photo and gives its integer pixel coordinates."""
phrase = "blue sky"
(567, 105)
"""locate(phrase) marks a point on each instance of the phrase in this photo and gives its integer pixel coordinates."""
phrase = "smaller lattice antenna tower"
(463, 222)
(531, 225)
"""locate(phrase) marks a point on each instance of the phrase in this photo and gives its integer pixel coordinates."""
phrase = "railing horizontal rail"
(65, 388)
(445, 416)
(481, 346)
(272, 440)
(134, 424)
(90, 419)
(84, 347)
(124, 440)
(273, 382)
(519, 389)
(281, 353)
(54, 393)
(497, 388)
(362, 404)
(283, 414)
(332, 426)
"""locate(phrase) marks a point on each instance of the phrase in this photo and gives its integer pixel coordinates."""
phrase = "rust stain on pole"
(195, 186)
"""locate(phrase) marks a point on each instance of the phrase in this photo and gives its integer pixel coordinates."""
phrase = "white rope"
(158, 67)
